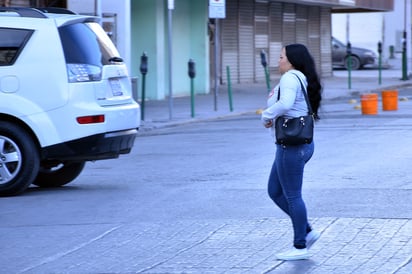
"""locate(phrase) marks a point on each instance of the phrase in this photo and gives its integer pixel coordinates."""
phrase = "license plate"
(116, 87)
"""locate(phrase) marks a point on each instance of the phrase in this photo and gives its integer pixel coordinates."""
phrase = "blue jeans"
(285, 186)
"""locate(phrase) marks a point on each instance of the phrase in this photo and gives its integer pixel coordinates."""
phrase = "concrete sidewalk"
(249, 98)
(347, 245)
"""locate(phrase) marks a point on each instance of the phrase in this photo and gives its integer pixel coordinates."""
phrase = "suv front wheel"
(19, 159)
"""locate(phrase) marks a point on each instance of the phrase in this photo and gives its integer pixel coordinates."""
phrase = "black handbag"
(295, 131)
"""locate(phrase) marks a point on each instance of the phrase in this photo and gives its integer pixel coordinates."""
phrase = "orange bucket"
(390, 100)
(369, 103)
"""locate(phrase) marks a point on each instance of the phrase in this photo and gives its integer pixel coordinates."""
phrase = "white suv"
(65, 98)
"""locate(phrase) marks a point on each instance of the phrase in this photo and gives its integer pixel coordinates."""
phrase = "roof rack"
(56, 10)
(24, 12)
(35, 12)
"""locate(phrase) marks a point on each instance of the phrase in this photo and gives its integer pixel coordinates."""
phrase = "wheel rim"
(10, 160)
(355, 63)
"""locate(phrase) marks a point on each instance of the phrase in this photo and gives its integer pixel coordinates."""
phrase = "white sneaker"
(293, 254)
(311, 238)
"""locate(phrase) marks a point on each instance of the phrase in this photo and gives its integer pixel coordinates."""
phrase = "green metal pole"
(404, 59)
(350, 72)
(404, 66)
(192, 95)
(267, 79)
(380, 69)
(229, 86)
(143, 95)
(192, 74)
(349, 64)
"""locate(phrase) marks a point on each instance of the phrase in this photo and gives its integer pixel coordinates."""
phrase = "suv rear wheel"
(19, 159)
(52, 174)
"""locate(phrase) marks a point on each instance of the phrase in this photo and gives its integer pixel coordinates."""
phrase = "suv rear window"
(84, 43)
(11, 43)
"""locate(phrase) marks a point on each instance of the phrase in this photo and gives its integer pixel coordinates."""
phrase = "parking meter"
(349, 49)
(191, 69)
(143, 64)
(349, 55)
(192, 73)
(264, 64)
(143, 71)
(263, 58)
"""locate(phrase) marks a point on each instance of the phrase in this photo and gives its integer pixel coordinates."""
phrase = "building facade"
(255, 26)
(250, 26)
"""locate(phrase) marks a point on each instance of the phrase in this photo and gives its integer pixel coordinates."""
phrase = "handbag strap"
(310, 111)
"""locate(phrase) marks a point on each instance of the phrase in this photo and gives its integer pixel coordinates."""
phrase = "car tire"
(19, 159)
(355, 63)
(58, 174)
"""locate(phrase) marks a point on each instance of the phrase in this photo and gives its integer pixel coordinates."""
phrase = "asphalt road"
(197, 178)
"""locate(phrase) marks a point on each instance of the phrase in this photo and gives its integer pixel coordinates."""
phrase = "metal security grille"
(246, 39)
(254, 25)
(314, 34)
(230, 41)
(288, 24)
(261, 37)
(324, 63)
(275, 46)
(302, 25)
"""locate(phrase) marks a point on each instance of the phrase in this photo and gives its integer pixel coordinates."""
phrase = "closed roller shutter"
(314, 34)
(302, 25)
(269, 25)
(289, 24)
(261, 37)
(275, 46)
(246, 38)
(230, 41)
(325, 45)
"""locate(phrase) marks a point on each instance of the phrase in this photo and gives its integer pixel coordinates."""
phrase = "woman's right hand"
(268, 123)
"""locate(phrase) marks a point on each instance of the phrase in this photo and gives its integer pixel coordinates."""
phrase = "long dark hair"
(300, 58)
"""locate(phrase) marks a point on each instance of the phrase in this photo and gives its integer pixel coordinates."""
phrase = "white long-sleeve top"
(291, 102)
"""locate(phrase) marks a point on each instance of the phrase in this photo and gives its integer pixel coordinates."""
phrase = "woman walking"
(296, 66)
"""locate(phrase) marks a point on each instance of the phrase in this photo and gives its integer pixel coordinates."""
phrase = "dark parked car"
(360, 56)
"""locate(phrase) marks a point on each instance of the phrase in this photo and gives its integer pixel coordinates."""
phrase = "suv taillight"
(83, 73)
